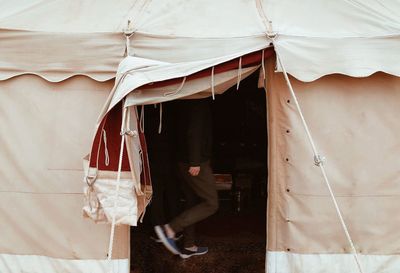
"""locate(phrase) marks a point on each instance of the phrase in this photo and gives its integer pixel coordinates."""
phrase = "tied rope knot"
(319, 160)
(90, 179)
(93, 200)
(129, 132)
(271, 35)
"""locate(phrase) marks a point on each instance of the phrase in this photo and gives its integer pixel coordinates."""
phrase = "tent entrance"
(240, 145)
(235, 235)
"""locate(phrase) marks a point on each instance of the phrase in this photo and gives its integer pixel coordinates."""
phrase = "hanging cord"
(106, 155)
(93, 199)
(263, 66)
(264, 18)
(135, 134)
(319, 161)
(160, 124)
(141, 121)
(239, 77)
(177, 90)
(212, 83)
(121, 154)
(144, 177)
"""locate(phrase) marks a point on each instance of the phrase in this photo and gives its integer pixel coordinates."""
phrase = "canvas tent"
(56, 62)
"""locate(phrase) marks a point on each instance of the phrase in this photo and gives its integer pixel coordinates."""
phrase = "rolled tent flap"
(139, 74)
(102, 166)
(194, 89)
(134, 86)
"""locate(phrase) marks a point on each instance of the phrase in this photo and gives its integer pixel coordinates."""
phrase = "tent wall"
(354, 122)
(45, 131)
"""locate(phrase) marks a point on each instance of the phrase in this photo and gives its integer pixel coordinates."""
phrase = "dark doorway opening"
(236, 234)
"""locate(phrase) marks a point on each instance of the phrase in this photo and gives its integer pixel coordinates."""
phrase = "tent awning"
(314, 38)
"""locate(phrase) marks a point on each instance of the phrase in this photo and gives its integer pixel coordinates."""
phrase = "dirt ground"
(236, 243)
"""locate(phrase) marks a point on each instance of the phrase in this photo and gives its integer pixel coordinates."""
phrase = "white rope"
(160, 124)
(319, 160)
(212, 83)
(239, 77)
(263, 66)
(98, 150)
(106, 155)
(177, 90)
(121, 154)
(141, 121)
(135, 134)
(267, 23)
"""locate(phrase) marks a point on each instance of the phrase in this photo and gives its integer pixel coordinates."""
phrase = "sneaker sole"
(185, 256)
(163, 238)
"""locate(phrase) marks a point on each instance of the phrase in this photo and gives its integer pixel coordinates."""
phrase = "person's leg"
(165, 234)
(191, 200)
(203, 185)
(172, 194)
(157, 203)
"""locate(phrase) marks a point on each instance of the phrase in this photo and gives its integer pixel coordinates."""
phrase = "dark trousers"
(201, 200)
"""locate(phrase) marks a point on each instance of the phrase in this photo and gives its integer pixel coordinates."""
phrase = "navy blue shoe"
(169, 243)
(186, 253)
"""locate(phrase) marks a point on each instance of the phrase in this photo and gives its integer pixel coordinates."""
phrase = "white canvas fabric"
(45, 129)
(193, 89)
(314, 38)
(354, 125)
(173, 39)
(134, 72)
(43, 264)
(283, 262)
(100, 196)
(103, 202)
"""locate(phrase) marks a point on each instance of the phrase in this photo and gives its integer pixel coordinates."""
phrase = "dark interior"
(235, 235)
